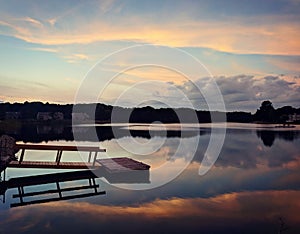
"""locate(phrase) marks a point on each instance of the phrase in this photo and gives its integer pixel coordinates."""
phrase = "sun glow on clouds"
(234, 37)
(152, 73)
(269, 35)
(73, 38)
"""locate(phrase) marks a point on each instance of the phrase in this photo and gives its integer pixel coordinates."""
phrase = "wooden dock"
(115, 170)
(112, 165)
(116, 165)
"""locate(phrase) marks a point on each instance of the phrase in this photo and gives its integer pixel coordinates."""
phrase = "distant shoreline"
(40, 113)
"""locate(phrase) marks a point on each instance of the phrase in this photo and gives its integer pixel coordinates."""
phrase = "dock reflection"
(32, 189)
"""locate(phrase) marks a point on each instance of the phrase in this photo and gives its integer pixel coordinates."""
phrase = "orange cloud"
(30, 20)
(232, 36)
(153, 73)
(75, 58)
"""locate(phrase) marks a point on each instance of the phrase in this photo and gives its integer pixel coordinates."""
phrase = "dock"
(112, 165)
(114, 170)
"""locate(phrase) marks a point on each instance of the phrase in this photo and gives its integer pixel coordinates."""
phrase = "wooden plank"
(123, 164)
(60, 147)
(44, 164)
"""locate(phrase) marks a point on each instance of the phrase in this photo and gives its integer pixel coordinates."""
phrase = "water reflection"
(242, 212)
(55, 132)
(44, 133)
(59, 192)
(268, 136)
(252, 188)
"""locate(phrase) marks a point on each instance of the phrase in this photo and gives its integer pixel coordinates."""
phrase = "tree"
(266, 112)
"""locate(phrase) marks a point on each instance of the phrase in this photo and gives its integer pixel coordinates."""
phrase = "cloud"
(245, 92)
(50, 50)
(30, 20)
(267, 35)
(75, 58)
(240, 92)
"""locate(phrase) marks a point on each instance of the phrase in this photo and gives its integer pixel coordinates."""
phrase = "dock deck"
(123, 164)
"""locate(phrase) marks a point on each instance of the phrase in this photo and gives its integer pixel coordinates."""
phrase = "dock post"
(94, 184)
(58, 189)
(58, 156)
(22, 156)
(90, 156)
(95, 158)
(21, 192)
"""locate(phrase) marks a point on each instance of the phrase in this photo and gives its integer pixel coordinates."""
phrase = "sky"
(251, 50)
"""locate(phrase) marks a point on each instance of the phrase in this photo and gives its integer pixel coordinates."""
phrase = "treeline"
(28, 111)
(267, 113)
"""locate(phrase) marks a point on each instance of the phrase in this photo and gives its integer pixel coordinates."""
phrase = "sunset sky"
(251, 48)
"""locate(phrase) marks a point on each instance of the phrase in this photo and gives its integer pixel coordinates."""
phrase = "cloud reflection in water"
(248, 212)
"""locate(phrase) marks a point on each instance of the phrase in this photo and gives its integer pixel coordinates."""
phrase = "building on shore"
(58, 116)
(44, 116)
(12, 115)
(294, 118)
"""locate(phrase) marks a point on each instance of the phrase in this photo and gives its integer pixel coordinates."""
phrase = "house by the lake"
(45, 116)
(12, 115)
(294, 118)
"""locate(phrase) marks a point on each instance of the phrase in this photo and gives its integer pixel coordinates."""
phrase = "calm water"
(254, 186)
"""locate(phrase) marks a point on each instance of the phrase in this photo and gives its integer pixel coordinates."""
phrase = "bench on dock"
(57, 164)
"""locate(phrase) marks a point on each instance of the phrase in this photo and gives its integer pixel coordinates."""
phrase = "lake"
(252, 187)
